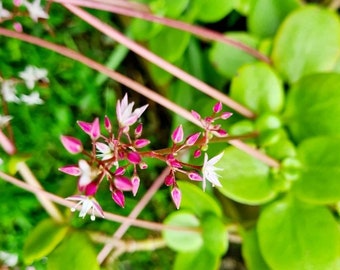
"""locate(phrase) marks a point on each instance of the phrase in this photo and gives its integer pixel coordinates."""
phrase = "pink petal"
(195, 176)
(177, 135)
(107, 124)
(197, 153)
(191, 140)
(85, 126)
(196, 115)
(95, 130)
(176, 197)
(123, 183)
(169, 179)
(135, 184)
(134, 157)
(72, 145)
(91, 188)
(226, 115)
(140, 143)
(217, 107)
(71, 170)
(118, 197)
(139, 130)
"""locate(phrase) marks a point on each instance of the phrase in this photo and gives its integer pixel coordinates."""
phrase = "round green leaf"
(203, 202)
(143, 30)
(319, 178)
(182, 240)
(275, 10)
(42, 240)
(170, 43)
(258, 87)
(308, 41)
(215, 235)
(313, 106)
(75, 252)
(212, 11)
(251, 251)
(293, 235)
(174, 8)
(228, 59)
(244, 178)
(201, 259)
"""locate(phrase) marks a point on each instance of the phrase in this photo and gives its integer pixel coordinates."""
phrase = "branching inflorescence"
(117, 156)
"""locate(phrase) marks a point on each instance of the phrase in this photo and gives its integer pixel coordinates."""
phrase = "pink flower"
(177, 135)
(118, 197)
(126, 117)
(72, 145)
(176, 196)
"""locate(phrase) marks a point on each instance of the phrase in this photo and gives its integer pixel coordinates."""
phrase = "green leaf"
(170, 43)
(75, 252)
(43, 240)
(181, 240)
(244, 6)
(275, 10)
(228, 59)
(215, 235)
(313, 106)
(318, 181)
(258, 87)
(251, 251)
(244, 178)
(308, 41)
(293, 235)
(201, 259)
(203, 202)
(213, 11)
(174, 8)
(143, 30)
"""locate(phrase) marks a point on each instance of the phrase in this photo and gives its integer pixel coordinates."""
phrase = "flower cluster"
(30, 76)
(117, 156)
(34, 9)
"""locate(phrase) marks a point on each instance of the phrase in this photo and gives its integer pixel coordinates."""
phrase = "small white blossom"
(85, 173)
(32, 99)
(35, 10)
(87, 204)
(125, 116)
(9, 91)
(4, 13)
(4, 119)
(209, 170)
(32, 74)
(105, 151)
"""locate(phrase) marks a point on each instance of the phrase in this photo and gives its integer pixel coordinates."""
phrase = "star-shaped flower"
(9, 91)
(35, 10)
(105, 151)
(88, 204)
(32, 99)
(127, 117)
(32, 74)
(209, 170)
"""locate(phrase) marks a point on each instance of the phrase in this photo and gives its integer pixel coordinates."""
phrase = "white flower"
(32, 99)
(35, 10)
(87, 204)
(86, 173)
(4, 119)
(32, 74)
(9, 91)
(104, 151)
(4, 13)
(209, 170)
(125, 115)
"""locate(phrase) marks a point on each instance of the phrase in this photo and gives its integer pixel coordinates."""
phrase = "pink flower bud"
(140, 143)
(17, 27)
(196, 115)
(173, 162)
(134, 157)
(176, 197)
(72, 145)
(195, 176)
(226, 115)
(222, 133)
(107, 124)
(95, 130)
(217, 107)
(177, 135)
(71, 170)
(135, 184)
(123, 183)
(91, 188)
(197, 153)
(138, 130)
(120, 171)
(85, 126)
(143, 165)
(118, 197)
(191, 140)
(169, 179)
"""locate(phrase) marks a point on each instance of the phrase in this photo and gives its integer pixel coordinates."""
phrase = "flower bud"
(138, 130)
(118, 197)
(195, 176)
(177, 135)
(197, 153)
(217, 107)
(191, 140)
(176, 196)
(169, 179)
(196, 115)
(72, 145)
(123, 183)
(135, 184)
(226, 115)
(134, 157)
(107, 124)
(71, 170)
(140, 143)
(85, 126)
(95, 130)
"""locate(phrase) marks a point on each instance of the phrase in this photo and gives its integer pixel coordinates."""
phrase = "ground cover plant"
(169, 134)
